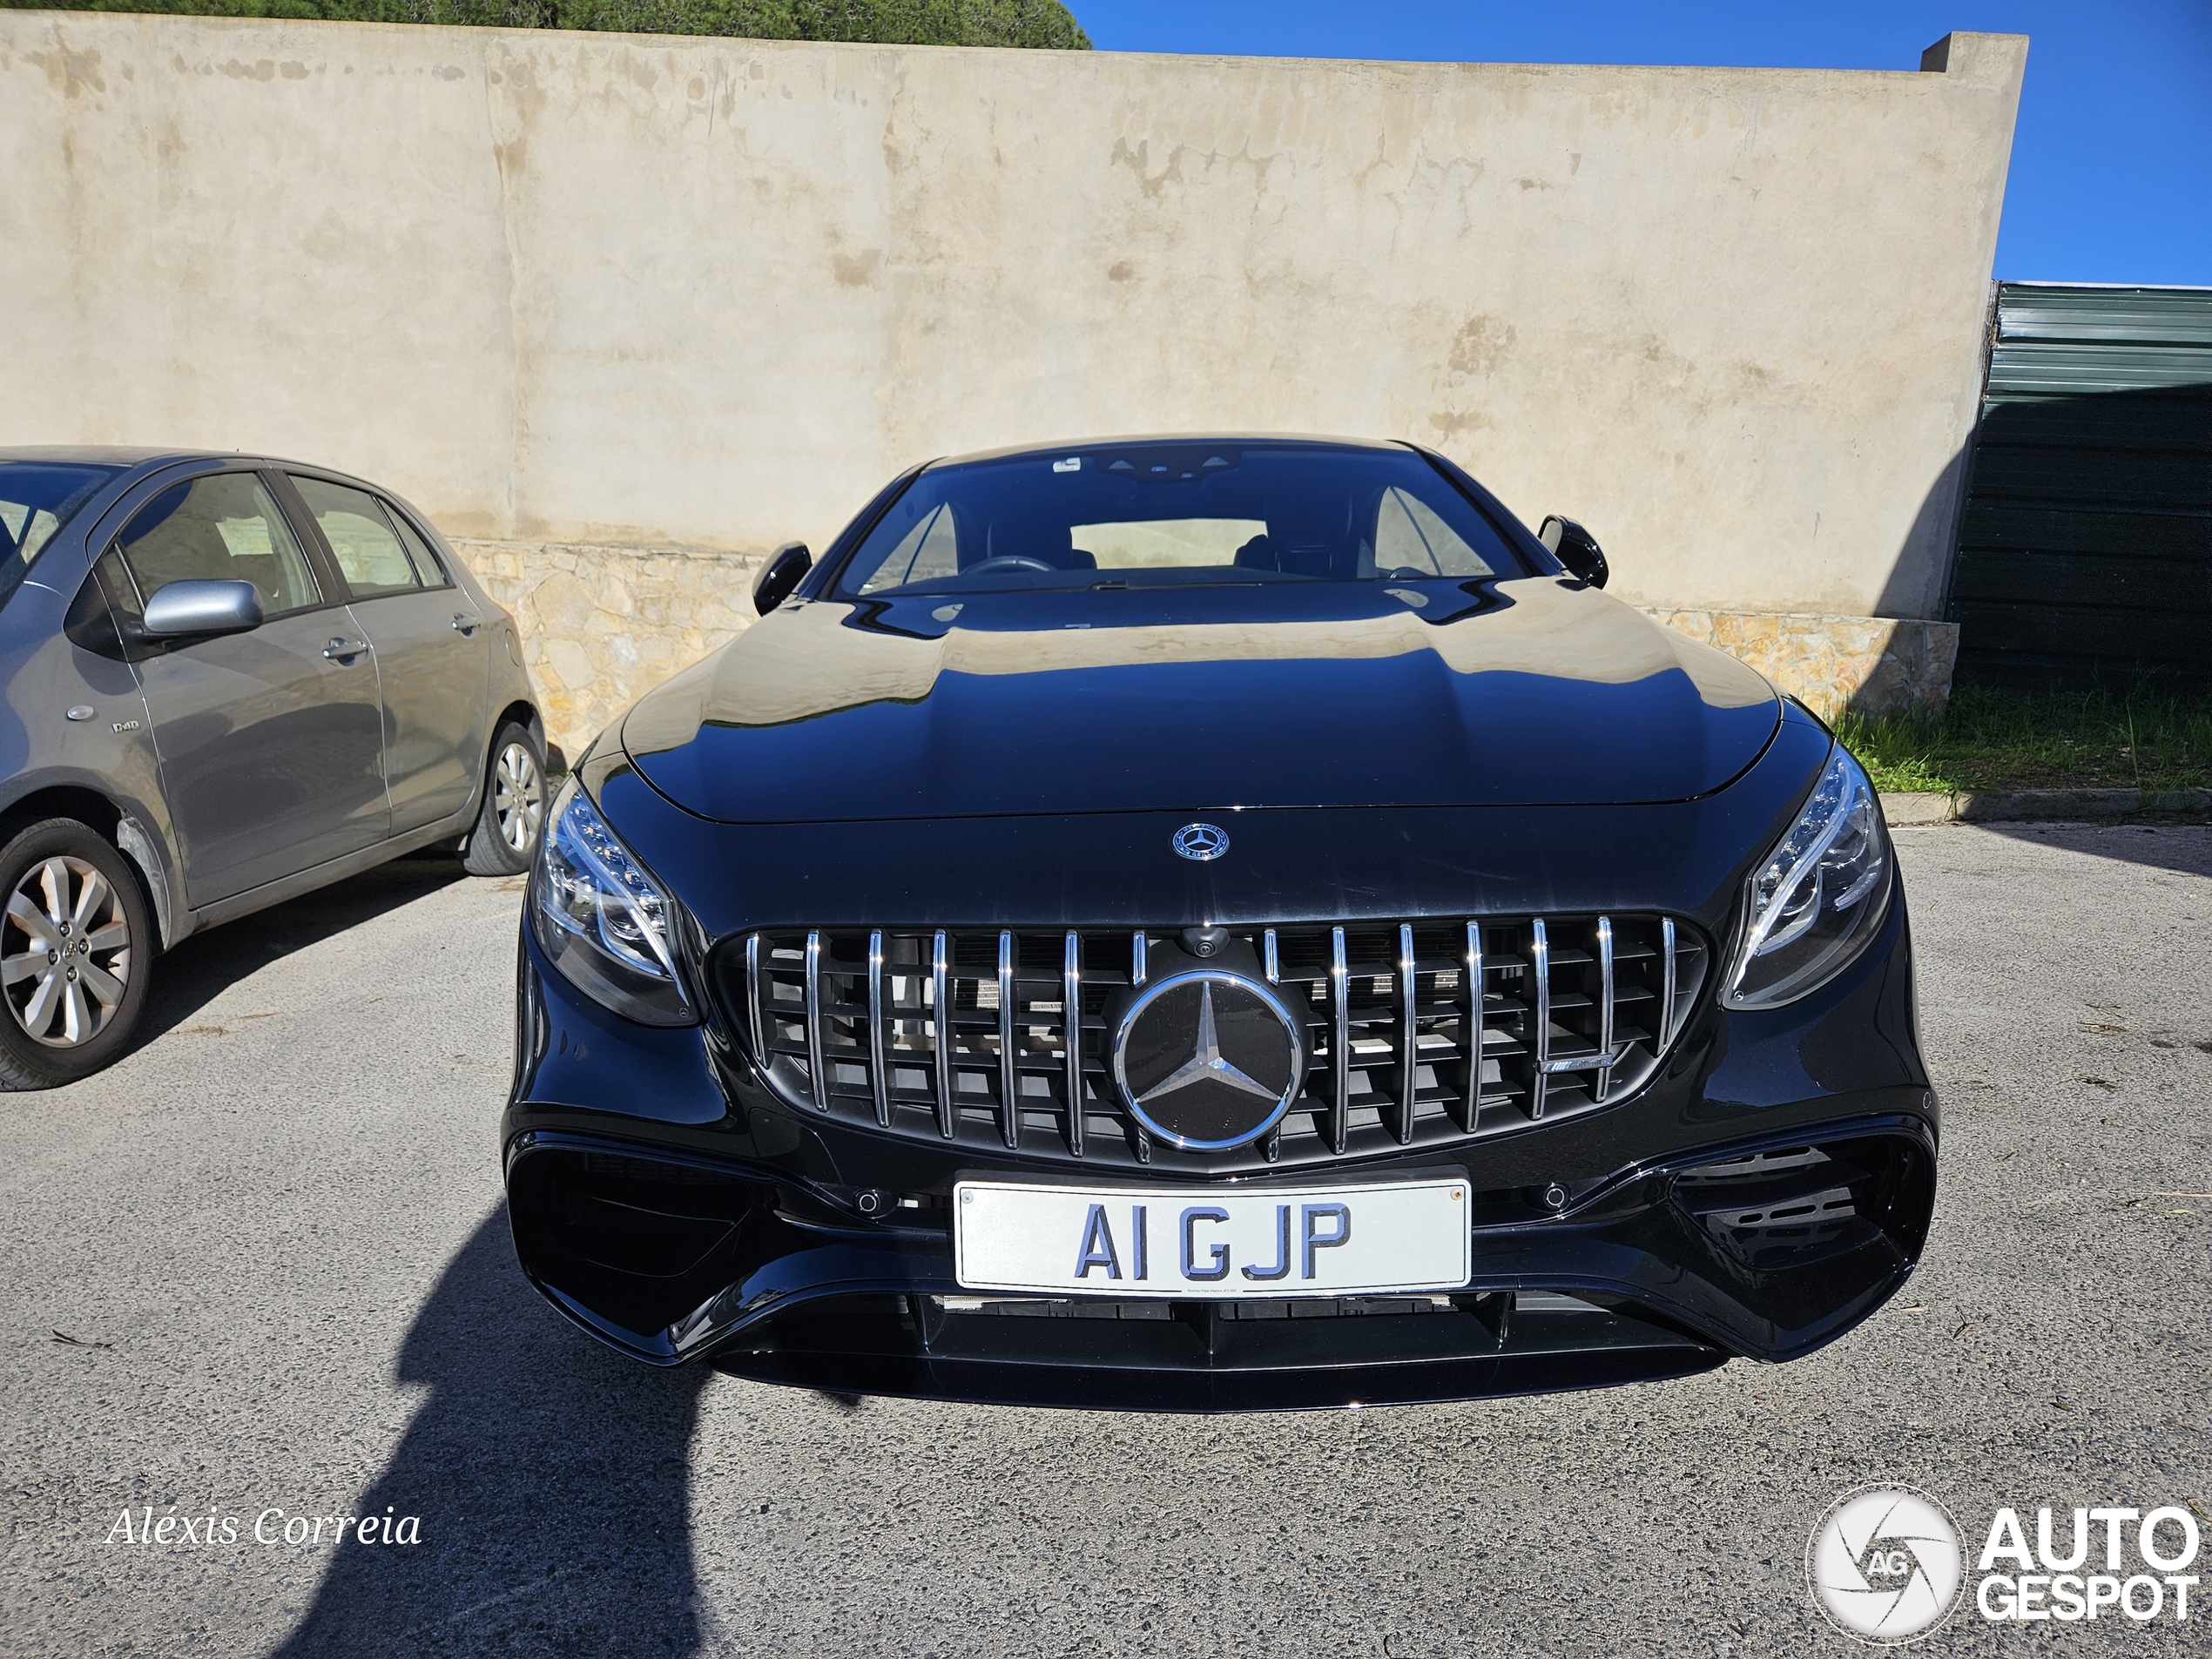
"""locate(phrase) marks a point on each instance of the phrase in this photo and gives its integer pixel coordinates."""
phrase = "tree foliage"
(925, 22)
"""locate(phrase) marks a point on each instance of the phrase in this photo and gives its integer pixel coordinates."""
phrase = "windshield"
(37, 498)
(1177, 513)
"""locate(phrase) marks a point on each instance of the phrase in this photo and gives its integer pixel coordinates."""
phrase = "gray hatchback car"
(227, 680)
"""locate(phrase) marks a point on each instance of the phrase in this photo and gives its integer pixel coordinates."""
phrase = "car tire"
(513, 815)
(73, 899)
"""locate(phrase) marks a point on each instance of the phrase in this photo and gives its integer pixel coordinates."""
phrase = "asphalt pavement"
(258, 1273)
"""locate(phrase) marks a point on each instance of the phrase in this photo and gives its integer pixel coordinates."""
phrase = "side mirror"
(784, 568)
(202, 608)
(1575, 548)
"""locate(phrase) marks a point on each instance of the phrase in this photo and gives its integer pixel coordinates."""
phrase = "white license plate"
(1283, 1241)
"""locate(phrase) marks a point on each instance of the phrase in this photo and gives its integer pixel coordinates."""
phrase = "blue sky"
(2112, 164)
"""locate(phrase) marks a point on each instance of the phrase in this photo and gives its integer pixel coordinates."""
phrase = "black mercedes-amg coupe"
(1209, 924)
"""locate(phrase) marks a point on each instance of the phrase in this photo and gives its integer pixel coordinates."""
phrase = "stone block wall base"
(602, 624)
(1869, 666)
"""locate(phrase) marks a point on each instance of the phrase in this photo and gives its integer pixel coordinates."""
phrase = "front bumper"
(1770, 1188)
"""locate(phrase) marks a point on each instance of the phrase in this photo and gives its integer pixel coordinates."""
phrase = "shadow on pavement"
(552, 1479)
(2184, 848)
(188, 978)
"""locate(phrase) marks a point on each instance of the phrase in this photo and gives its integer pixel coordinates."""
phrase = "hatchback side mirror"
(784, 568)
(202, 610)
(1575, 548)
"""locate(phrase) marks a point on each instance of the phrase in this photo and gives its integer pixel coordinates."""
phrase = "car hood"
(1523, 692)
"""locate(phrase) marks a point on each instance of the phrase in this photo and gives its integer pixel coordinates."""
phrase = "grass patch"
(1989, 739)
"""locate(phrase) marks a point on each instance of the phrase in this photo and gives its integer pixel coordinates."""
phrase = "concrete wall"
(604, 302)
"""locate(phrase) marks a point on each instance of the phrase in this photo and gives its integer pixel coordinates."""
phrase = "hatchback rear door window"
(361, 539)
(427, 568)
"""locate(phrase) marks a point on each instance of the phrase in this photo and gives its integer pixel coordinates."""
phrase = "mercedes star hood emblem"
(1201, 841)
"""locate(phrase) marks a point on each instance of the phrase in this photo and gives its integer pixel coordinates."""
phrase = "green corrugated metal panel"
(2118, 423)
(2075, 367)
(2003, 527)
(2086, 547)
(2147, 316)
(2068, 582)
(2159, 639)
(2138, 481)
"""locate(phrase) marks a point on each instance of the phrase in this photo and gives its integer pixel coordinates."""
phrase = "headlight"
(1819, 897)
(602, 920)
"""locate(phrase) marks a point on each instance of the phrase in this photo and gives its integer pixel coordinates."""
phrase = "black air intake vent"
(1796, 1207)
(962, 1036)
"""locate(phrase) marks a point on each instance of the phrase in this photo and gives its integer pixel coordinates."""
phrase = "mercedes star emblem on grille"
(1207, 1060)
(1201, 841)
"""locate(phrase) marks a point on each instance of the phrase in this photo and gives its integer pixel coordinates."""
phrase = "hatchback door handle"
(467, 624)
(342, 650)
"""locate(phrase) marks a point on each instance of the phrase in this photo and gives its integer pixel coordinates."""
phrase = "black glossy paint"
(1509, 747)
(787, 567)
(1113, 869)
(1533, 692)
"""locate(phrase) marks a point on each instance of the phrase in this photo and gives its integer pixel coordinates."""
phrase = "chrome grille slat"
(1010, 1068)
(1540, 966)
(1477, 1027)
(752, 997)
(816, 1072)
(1339, 1045)
(1408, 1035)
(1420, 1032)
(1071, 1021)
(1605, 1003)
(878, 1066)
(941, 1045)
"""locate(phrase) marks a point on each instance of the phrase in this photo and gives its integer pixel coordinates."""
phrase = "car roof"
(1154, 440)
(136, 455)
(140, 458)
(102, 454)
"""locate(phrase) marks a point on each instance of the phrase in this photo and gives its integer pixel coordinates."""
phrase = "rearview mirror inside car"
(202, 608)
(1575, 548)
(774, 584)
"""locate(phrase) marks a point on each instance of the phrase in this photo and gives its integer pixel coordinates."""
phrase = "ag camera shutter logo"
(1885, 1564)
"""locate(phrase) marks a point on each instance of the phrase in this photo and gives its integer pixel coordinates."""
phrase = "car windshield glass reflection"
(1177, 514)
(37, 498)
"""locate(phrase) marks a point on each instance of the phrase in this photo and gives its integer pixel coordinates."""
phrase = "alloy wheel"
(518, 796)
(64, 951)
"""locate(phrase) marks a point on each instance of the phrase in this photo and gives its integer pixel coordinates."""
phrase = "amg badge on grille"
(1207, 1061)
(1201, 841)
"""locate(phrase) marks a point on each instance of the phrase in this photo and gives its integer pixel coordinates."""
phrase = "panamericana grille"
(960, 1035)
